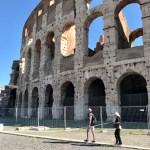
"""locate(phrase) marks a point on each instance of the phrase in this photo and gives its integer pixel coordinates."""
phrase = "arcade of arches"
(64, 71)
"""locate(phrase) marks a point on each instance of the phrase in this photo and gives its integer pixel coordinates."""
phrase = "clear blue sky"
(14, 13)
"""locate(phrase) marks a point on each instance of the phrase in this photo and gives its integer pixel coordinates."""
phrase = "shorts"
(90, 128)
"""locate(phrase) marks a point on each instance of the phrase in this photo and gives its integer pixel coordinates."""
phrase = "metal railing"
(133, 117)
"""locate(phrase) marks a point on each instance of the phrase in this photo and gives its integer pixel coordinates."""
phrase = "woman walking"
(117, 125)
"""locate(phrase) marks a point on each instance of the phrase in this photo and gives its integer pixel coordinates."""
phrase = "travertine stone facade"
(55, 51)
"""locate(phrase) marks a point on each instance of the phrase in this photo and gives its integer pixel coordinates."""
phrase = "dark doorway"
(35, 102)
(134, 98)
(48, 102)
(96, 98)
(134, 91)
(12, 99)
(68, 99)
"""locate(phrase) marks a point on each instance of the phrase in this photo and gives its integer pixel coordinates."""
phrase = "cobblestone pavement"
(13, 142)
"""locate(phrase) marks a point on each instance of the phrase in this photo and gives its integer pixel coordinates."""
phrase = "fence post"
(101, 111)
(38, 116)
(16, 109)
(148, 118)
(65, 117)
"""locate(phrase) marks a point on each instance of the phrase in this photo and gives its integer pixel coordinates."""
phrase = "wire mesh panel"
(134, 114)
(140, 99)
(7, 116)
(30, 118)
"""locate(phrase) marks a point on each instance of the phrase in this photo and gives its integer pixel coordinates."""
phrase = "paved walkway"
(131, 140)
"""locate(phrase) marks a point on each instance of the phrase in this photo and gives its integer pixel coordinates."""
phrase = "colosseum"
(57, 69)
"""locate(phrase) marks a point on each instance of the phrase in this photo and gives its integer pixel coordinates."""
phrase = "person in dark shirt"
(117, 125)
(90, 126)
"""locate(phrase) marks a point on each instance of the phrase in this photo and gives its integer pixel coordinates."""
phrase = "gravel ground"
(12, 142)
(138, 138)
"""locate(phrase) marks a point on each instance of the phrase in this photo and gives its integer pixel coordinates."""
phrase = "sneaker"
(119, 143)
(116, 143)
(93, 141)
(86, 140)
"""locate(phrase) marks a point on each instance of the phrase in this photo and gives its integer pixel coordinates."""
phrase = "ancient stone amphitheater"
(57, 68)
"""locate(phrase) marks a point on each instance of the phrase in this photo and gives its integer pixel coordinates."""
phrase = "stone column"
(30, 102)
(112, 104)
(43, 58)
(41, 100)
(79, 100)
(56, 104)
(110, 39)
(146, 30)
(81, 34)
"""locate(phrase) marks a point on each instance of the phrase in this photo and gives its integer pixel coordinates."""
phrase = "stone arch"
(99, 43)
(37, 58)
(68, 39)
(67, 98)
(12, 98)
(49, 53)
(35, 98)
(50, 42)
(17, 68)
(48, 102)
(90, 18)
(51, 2)
(133, 97)
(123, 4)
(94, 96)
(23, 63)
(89, 3)
(29, 56)
(49, 96)
(132, 90)
(40, 12)
(94, 86)
(135, 34)
(124, 32)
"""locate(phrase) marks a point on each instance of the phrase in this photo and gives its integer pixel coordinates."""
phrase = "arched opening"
(67, 99)
(133, 93)
(29, 59)
(23, 63)
(50, 41)
(95, 96)
(17, 68)
(39, 17)
(51, 2)
(12, 98)
(68, 40)
(35, 102)
(48, 101)
(50, 53)
(96, 36)
(35, 98)
(37, 58)
(26, 103)
(93, 3)
(129, 26)
(96, 93)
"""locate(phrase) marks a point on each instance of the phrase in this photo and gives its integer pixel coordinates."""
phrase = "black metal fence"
(133, 117)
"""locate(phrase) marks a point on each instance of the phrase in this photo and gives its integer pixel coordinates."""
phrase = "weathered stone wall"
(112, 66)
